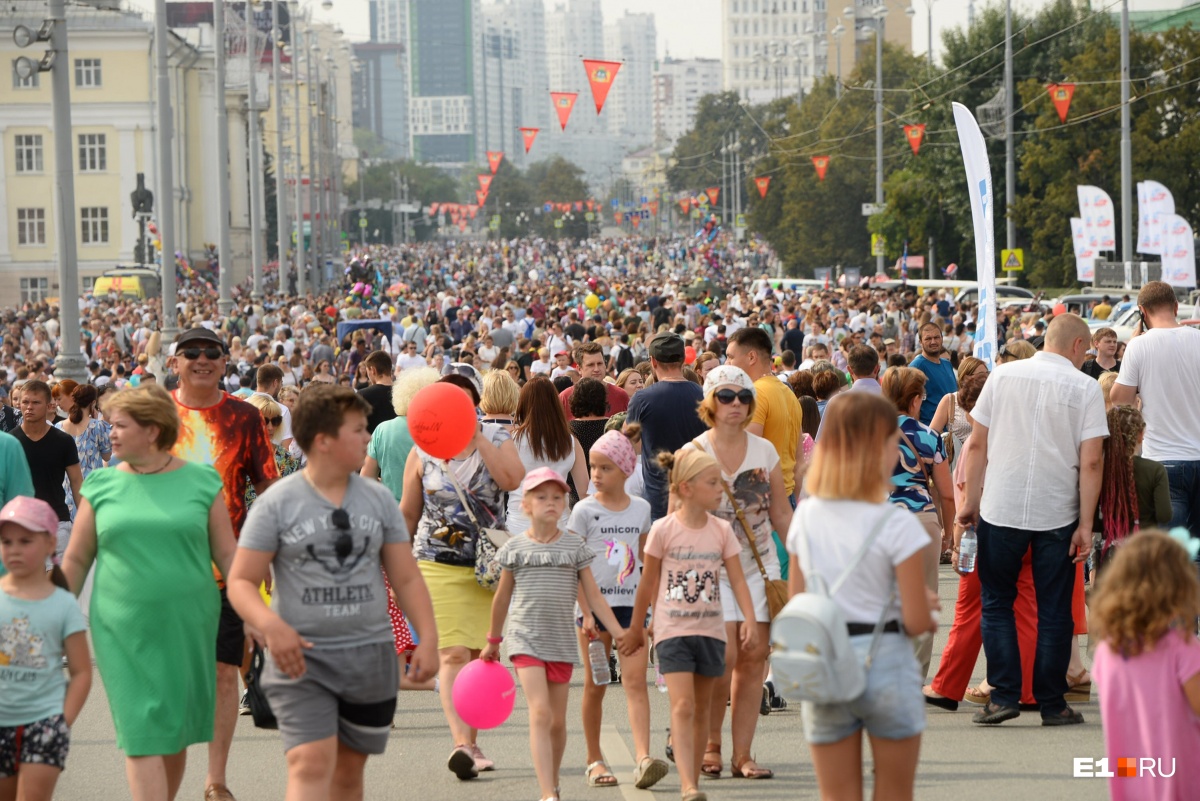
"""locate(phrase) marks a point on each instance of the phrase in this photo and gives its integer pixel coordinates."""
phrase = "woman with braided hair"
(1134, 493)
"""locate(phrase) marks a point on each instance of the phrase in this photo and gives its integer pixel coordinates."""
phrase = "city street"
(1019, 759)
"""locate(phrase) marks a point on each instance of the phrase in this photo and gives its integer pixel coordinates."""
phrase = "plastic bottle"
(598, 660)
(967, 549)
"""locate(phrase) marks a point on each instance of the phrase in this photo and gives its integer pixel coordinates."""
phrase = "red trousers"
(966, 635)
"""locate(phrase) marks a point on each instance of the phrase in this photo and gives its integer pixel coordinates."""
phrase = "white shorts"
(758, 595)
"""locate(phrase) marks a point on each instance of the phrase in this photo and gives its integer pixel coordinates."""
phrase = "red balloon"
(441, 420)
(1059, 308)
(689, 354)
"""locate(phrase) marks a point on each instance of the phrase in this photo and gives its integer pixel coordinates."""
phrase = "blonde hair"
(269, 408)
(289, 390)
(500, 393)
(408, 384)
(969, 366)
(845, 464)
(900, 385)
(149, 405)
(1106, 384)
(684, 465)
(707, 410)
(1019, 349)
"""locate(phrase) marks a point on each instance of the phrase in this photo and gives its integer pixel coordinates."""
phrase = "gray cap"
(667, 347)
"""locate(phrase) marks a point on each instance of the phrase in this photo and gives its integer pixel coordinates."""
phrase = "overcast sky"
(692, 28)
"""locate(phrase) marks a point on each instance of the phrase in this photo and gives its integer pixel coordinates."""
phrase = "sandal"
(602, 779)
(649, 772)
(1080, 681)
(670, 748)
(977, 695)
(740, 770)
(711, 768)
(947, 558)
(695, 795)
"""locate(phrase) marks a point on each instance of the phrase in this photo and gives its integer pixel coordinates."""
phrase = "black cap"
(667, 347)
(199, 335)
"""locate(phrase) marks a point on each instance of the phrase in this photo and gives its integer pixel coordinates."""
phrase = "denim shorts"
(892, 708)
(692, 653)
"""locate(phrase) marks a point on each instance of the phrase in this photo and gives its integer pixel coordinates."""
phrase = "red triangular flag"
(481, 196)
(914, 134)
(685, 205)
(636, 221)
(472, 209)
(763, 183)
(529, 134)
(654, 208)
(713, 193)
(485, 181)
(563, 103)
(433, 209)
(1061, 94)
(494, 160)
(600, 75)
(822, 164)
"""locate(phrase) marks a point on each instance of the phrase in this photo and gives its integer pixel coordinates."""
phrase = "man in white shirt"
(1038, 438)
(1163, 366)
(410, 358)
(542, 363)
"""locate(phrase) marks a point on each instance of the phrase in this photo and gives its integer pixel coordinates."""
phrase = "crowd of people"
(664, 437)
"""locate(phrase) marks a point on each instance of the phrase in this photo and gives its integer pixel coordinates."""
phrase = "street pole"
(879, 268)
(1127, 230)
(225, 254)
(724, 182)
(70, 362)
(166, 171)
(362, 201)
(297, 49)
(313, 211)
(255, 150)
(1010, 169)
(281, 226)
(929, 8)
(322, 180)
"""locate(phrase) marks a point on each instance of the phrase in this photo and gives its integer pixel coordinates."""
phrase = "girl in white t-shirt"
(848, 485)
(614, 526)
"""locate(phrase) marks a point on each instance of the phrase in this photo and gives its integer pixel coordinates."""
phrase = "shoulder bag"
(776, 589)
(260, 708)
(488, 541)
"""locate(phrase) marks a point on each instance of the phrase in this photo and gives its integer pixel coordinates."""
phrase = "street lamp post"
(301, 260)
(166, 168)
(879, 14)
(837, 32)
(255, 143)
(281, 223)
(929, 47)
(225, 251)
(313, 211)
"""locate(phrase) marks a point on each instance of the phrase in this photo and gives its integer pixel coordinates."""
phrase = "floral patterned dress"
(92, 444)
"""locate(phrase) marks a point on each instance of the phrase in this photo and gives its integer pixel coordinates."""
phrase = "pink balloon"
(484, 694)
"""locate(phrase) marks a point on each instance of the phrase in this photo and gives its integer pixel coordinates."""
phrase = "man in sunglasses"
(227, 433)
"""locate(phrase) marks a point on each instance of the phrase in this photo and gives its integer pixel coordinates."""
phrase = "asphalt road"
(959, 760)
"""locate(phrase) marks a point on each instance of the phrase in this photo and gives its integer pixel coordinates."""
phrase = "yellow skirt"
(461, 608)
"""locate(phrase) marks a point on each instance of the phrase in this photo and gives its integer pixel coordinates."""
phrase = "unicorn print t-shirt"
(688, 600)
(613, 537)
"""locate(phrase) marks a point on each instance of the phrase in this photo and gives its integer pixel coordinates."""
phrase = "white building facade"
(678, 86)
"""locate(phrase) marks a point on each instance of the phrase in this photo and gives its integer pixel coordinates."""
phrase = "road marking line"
(620, 762)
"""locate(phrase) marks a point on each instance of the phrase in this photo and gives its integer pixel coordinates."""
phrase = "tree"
(272, 209)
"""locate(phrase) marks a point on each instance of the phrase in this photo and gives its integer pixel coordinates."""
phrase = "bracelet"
(494, 640)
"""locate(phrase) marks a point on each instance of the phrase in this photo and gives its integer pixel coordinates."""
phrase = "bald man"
(1034, 462)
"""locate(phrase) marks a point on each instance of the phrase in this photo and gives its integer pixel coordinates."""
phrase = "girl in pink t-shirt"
(684, 555)
(1147, 666)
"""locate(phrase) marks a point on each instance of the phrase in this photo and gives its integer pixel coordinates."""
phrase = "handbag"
(776, 589)
(260, 708)
(488, 541)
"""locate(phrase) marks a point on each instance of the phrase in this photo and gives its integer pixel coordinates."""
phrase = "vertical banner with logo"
(851, 276)
(1179, 253)
(1085, 256)
(563, 103)
(979, 184)
(600, 76)
(1096, 210)
(529, 135)
(1156, 205)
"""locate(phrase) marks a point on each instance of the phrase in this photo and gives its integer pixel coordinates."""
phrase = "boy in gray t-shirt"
(325, 533)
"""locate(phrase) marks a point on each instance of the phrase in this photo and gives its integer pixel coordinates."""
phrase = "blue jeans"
(1000, 553)
(1184, 481)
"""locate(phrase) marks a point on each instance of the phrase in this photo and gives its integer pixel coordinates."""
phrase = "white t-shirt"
(614, 538)
(407, 362)
(516, 522)
(540, 366)
(834, 531)
(1164, 365)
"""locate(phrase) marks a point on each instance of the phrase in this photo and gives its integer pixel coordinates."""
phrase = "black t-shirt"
(667, 412)
(576, 332)
(380, 398)
(793, 340)
(1092, 368)
(662, 316)
(49, 458)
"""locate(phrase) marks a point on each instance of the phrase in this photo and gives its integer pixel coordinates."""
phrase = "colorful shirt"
(909, 488)
(615, 538)
(688, 601)
(92, 444)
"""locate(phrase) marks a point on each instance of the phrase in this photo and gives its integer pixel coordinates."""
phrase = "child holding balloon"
(683, 556)
(544, 569)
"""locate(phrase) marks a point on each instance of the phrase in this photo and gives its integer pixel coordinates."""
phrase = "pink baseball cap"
(540, 476)
(31, 513)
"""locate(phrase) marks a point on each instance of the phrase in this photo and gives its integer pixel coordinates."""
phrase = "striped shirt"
(541, 615)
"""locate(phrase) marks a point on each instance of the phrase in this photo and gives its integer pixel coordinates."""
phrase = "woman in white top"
(543, 439)
(848, 483)
(750, 470)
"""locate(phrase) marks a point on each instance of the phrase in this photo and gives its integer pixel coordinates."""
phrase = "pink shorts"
(556, 672)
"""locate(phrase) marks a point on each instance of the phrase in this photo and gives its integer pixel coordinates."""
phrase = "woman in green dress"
(154, 526)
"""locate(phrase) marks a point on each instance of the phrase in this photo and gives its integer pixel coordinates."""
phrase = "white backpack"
(811, 655)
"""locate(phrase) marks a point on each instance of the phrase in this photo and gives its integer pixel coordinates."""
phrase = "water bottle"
(659, 680)
(967, 549)
(598, 660)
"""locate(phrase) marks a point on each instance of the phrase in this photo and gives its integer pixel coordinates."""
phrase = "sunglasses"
(211, 352)
(461, 368)
(728, 396)
(344, 544)
(277, 420)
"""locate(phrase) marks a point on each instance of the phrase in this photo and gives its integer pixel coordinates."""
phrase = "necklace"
(156, 470)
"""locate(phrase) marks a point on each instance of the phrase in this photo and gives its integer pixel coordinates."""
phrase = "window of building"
(31, 227)
(87, 73)
(24, 83)
(29, 152)
(93, 153)
(34, 290)
(93, 221)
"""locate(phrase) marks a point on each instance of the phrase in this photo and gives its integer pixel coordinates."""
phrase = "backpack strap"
(861, 552)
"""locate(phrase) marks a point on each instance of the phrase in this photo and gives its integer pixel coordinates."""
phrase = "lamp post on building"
(225, 250)
(837, 32)
(255, 148)
(70, 362)
(879, 14)
(297, 188)
(281, 223)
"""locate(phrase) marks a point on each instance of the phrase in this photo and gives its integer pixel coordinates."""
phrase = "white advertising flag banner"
(1085, 253)
(1179, 253)
(1159, 206)
(1096, 210)
(979, 183)
(1143, 224)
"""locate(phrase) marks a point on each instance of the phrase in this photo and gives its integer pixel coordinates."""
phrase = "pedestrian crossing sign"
(1012, 259)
